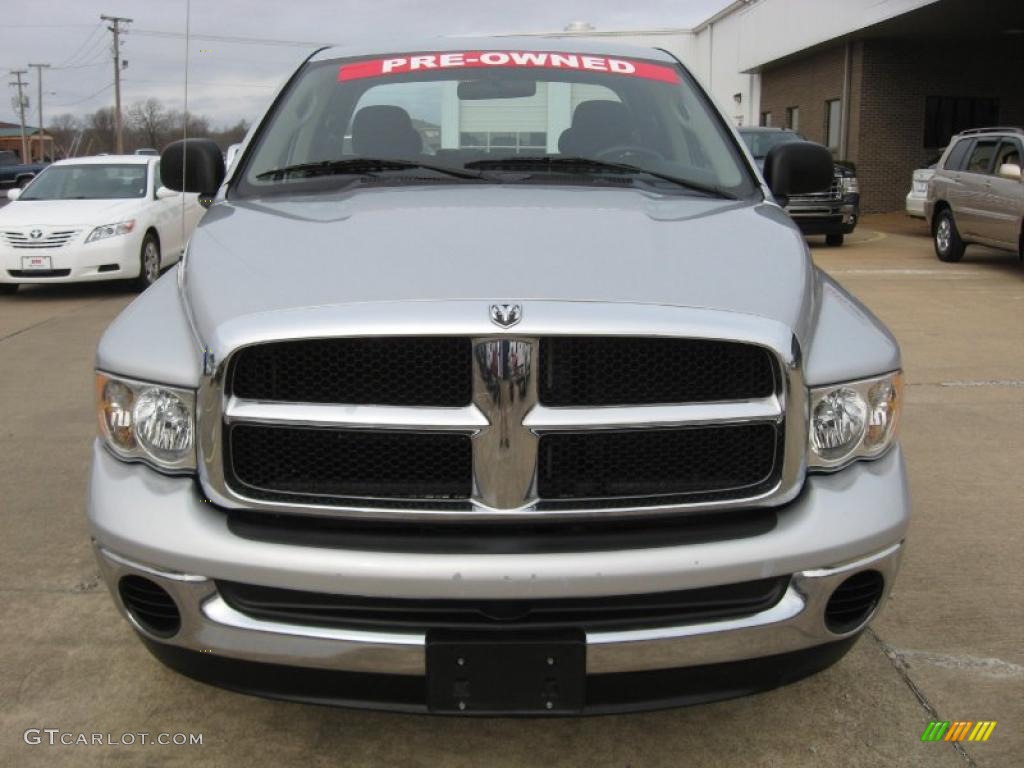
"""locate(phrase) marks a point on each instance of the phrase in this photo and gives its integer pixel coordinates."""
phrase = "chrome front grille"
(834, 192)
(37, 239)
(515, 451)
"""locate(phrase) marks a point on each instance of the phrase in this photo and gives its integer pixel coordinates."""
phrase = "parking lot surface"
(947, 646)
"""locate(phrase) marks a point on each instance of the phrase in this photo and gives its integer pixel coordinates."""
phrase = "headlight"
(110, 230)
(147, 422)
(853, 420)
(848, 185)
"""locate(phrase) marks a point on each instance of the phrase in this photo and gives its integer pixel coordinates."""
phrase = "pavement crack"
(28, 328)
(984, 665)
(901, 669)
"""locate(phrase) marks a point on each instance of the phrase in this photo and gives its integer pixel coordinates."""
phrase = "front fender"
(847, 341)
(152, 340)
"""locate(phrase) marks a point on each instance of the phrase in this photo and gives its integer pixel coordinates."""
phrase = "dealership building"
(882, 83)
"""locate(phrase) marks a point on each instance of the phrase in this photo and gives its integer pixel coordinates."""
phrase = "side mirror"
(798, 168)
(163, 193)
(193, 165)
(1010, 171)
(13, 194)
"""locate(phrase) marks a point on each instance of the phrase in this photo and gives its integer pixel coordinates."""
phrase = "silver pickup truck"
(495, 380)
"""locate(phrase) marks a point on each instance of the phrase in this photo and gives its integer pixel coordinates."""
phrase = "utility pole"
(39, 74)
(21, 111)
(116, 29)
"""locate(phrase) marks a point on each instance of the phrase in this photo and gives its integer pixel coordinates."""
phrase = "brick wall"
(806, 83)
(898, 78)
(890, 81)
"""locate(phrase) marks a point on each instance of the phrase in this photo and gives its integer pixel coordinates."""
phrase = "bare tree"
(151, 121)
(64, 128)
(100, 126)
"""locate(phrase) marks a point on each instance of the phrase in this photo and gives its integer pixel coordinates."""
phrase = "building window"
(507, 142)
(833, 122)
(945, 116)
(793, 118)
(766, 119)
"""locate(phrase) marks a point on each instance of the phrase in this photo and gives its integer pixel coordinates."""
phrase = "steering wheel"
(624, 153)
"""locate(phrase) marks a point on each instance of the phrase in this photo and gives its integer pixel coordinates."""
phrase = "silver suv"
(495, 380)
(977, 193)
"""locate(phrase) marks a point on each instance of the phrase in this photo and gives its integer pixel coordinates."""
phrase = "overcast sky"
(233, 79)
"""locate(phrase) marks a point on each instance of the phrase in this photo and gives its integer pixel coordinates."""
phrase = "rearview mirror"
(1010, 171)
(193, 165)
(13, 194)
(162, 193)
(798, 168)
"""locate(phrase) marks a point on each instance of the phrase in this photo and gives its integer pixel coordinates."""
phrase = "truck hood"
(495, 244)
(36, 213)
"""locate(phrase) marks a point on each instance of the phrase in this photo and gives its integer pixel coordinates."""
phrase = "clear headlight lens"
(147, 422)
(110, 230)
(853, 420)
(849, 185)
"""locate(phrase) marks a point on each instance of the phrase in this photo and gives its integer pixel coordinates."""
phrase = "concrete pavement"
(948, 646)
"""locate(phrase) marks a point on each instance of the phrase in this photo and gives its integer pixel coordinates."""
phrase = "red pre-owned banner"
(400, 65)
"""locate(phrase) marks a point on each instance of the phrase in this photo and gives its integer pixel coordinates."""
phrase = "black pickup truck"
(832, 212)
(14, 173)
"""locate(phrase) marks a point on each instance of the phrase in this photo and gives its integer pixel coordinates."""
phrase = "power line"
(88, 38)
(97, 63)
(44, 26)
(87, 98)
(229, 38)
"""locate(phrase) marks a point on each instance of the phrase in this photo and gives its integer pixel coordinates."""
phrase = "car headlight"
(848, 185)
(110, 230)
(855, 420)
(146, 422)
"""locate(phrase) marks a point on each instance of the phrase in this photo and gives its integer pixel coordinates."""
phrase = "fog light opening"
(853, 602)
(150, 605)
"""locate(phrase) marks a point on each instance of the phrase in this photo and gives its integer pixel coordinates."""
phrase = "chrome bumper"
(210, 625)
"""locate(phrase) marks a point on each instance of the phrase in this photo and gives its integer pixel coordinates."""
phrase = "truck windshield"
(499, 116)
(88, 182)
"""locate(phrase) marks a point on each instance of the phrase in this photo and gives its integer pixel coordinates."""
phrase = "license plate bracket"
(36, 263)
(489, 673)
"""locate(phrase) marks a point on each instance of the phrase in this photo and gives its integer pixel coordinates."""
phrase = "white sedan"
(94, 218)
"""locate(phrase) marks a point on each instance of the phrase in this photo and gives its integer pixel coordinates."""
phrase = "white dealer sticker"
(400, 65)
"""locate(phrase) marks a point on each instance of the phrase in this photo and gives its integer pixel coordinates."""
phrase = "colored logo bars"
(958, 730)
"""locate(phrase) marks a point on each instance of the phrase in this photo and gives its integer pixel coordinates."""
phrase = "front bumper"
(159, 527)
(115, 258)
(915, 204)
(826, 217)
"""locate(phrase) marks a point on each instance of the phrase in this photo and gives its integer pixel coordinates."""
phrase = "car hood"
(493, 243)
(36, 213)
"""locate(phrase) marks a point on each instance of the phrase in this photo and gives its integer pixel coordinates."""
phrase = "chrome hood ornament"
(506, 315)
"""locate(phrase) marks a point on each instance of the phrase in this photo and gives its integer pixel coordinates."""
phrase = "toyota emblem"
(35, 234)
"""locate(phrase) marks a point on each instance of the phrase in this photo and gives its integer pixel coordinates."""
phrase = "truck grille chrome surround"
(506, 426)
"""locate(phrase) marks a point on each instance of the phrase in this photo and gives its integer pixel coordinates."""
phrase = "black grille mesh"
(657, 462)
(637, 371)
(347, 463)
(429, 371)
(588, 613)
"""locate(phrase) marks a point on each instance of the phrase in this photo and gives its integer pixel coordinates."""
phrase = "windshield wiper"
(585, 164)
(360, 165)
